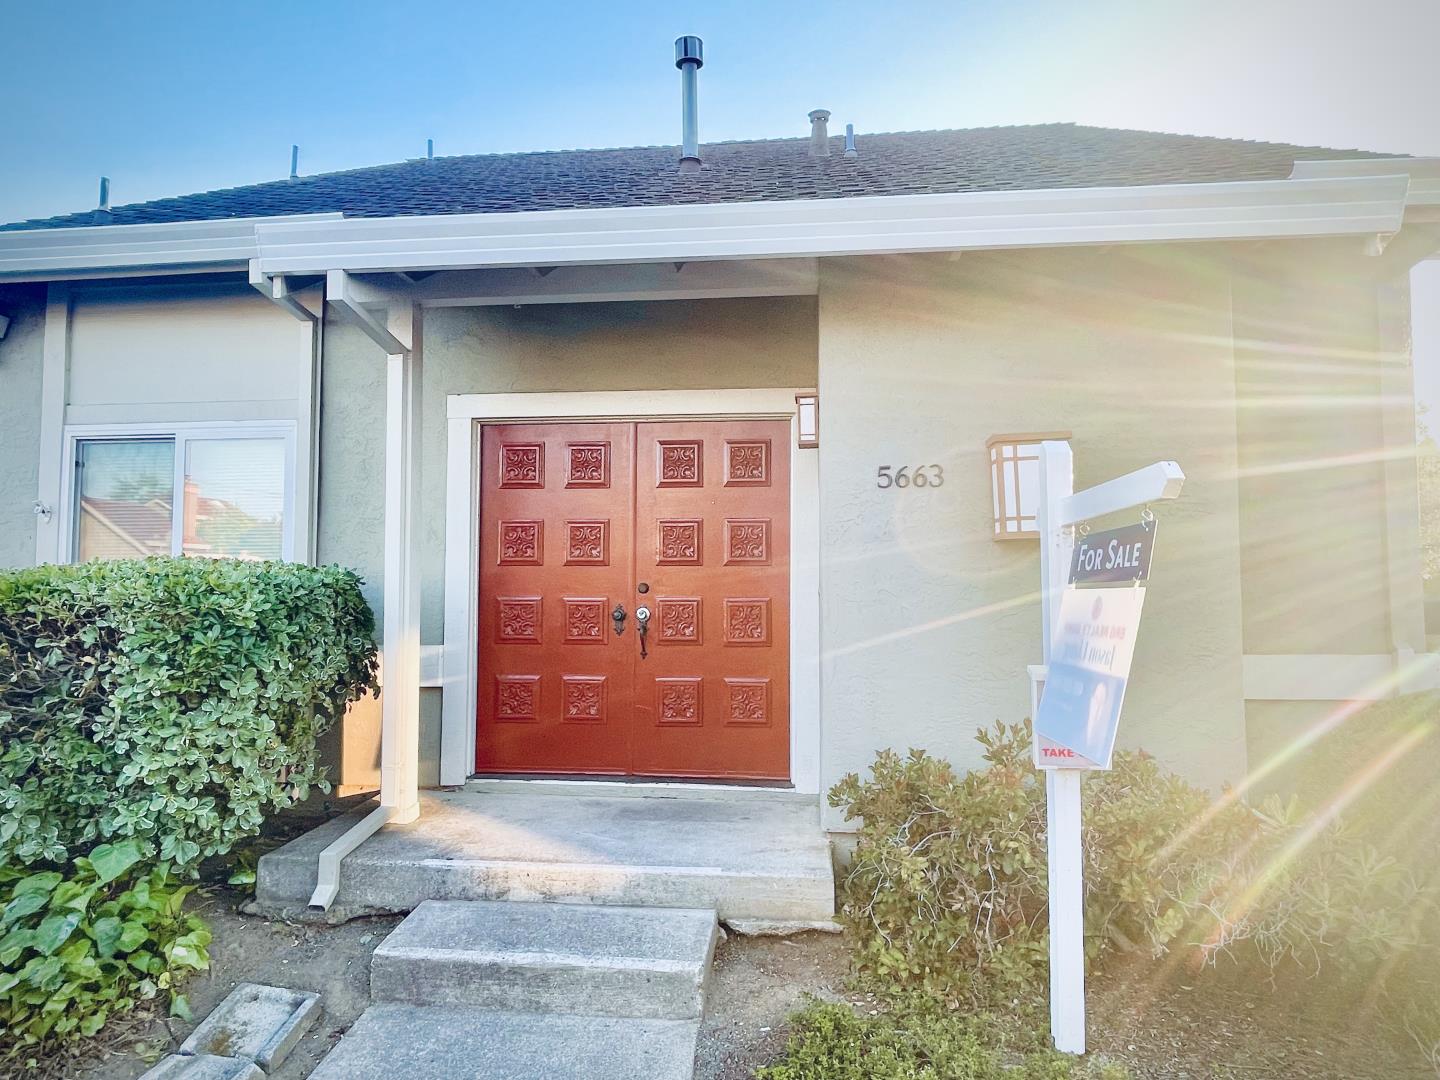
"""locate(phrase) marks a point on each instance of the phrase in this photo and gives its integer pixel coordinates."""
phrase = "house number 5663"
(907, 476)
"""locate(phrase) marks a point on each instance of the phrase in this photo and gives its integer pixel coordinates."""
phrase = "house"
(716, 462)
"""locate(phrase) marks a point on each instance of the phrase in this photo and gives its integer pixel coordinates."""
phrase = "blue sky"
(167, 98)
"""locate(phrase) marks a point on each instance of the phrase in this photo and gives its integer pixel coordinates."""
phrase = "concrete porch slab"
(392, 1040)
(747, 857)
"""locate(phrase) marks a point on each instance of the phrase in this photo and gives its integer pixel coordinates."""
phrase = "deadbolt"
(643, 588)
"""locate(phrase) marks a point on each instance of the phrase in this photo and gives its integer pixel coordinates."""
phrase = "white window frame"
(180, 435)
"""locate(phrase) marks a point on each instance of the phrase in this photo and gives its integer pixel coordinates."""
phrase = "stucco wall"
(927, 622)
(1319, 347)
(21, 362)
(710, 344)
(1312, 455)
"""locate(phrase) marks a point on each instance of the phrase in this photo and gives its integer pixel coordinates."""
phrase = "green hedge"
(175, 701)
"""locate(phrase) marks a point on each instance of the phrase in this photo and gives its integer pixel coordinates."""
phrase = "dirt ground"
(334, 961)
(1175, 1029)
(755, 985)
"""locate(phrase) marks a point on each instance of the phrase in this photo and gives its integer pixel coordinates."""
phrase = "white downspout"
(327, 877)
(400, 648)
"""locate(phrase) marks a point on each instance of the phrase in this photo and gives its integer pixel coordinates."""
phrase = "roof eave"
(89, 251)
(313, 244)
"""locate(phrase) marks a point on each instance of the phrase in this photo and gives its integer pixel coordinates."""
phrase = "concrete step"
(750, 857)
(396, 1040)
(549, 958)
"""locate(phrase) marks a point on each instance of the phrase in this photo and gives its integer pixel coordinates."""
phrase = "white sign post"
(1061, 509)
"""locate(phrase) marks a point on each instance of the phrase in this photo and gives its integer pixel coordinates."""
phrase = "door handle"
(642, 627)
(619, 616)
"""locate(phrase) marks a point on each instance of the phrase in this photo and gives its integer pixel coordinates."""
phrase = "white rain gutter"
(106, 250)
(316, 244)
(870, 225)
(1424, 174)
(327, 875)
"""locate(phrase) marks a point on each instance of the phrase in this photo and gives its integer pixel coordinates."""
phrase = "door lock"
(619, 616)
(642, 626)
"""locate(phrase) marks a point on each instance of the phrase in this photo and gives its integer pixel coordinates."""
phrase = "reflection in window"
(230, 499)
(125, 506)
(234, 498)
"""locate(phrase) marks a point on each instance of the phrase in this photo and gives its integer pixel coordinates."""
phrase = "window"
(206, 491)
(1015, 482)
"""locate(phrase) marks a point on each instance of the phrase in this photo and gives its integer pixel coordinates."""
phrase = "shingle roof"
(763, 170)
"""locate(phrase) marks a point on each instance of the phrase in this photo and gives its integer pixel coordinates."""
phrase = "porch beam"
(277, 290)
(590, 284)
(400, 649)
(341, 293)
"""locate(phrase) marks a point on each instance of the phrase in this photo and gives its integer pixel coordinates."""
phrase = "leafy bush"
(76, 949)
(173, 701)
(916, 1041)
(947, 890)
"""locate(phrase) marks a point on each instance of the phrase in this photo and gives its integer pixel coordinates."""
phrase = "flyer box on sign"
(1090, 654)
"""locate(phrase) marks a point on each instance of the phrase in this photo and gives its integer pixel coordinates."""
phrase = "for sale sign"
(1113, 556)
(1089, 667)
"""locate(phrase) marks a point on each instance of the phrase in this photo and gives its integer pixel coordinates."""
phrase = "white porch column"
(400, 656)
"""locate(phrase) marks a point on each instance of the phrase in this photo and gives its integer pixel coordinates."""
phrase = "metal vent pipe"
(819, 133)
(689, 58)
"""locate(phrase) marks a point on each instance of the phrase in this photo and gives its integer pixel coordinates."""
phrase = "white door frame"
(467, 412)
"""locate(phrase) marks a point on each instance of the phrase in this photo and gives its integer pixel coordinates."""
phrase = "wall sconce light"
(807, 420)
(1015, 482)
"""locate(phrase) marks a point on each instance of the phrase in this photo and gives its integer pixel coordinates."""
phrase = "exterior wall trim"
(54, 393)
(1357, 677)
(459, 665)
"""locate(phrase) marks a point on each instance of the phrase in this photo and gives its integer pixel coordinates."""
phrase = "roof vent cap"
(689, 50)
(819, 133)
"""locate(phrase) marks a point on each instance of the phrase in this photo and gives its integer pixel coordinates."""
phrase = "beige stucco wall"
(1312, 451)
(709, 344)
(21, 362)
(1327, 496)
(927, 622)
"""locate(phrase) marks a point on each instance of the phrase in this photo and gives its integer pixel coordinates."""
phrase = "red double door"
(588, 528)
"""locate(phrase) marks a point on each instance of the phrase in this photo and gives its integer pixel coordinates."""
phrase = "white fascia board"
(828, 227)
(1424, 174)
(54, 254)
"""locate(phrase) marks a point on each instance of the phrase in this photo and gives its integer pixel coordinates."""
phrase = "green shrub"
(76, 949)
(947, 889)
(915, 1040)
(173, 701)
